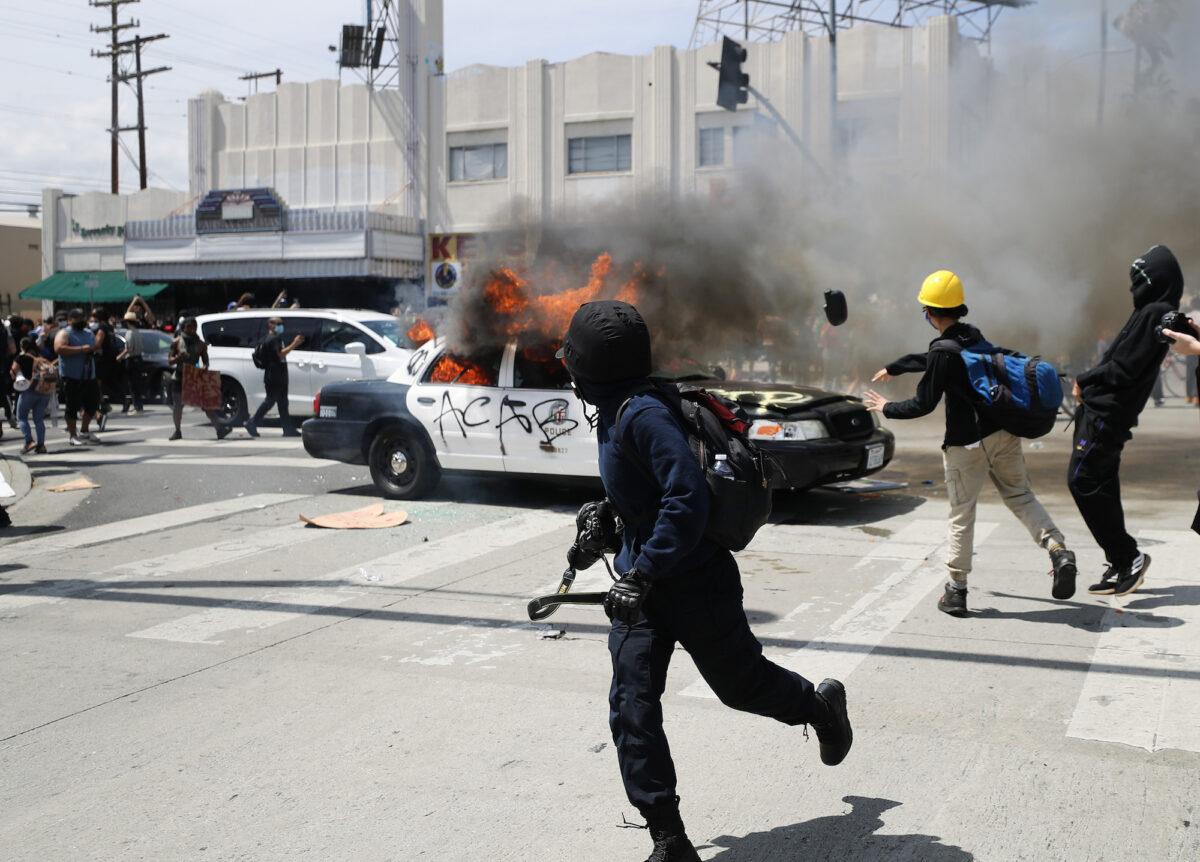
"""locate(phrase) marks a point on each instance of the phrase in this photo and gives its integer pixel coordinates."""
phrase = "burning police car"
(511, 411)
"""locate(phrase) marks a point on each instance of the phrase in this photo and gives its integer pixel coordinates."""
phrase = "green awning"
(89, 288)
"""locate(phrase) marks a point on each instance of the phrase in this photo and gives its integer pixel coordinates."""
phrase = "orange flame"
(451, 370)
(548, 314)
(420, 332)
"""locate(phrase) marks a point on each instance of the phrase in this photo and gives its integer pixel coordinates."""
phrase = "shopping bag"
(201, 388)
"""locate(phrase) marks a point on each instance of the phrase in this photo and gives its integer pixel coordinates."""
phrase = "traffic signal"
(733, 89)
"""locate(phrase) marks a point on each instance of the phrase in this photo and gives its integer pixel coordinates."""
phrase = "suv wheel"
(402, 467)
(233, 403)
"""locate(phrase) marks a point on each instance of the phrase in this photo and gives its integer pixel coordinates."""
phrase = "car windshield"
(152, 342)
(389, 330)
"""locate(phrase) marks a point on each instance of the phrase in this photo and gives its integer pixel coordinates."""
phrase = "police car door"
(544, 429)
(457, 400)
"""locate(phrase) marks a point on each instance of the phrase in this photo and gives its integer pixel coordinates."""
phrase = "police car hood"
(769, 400)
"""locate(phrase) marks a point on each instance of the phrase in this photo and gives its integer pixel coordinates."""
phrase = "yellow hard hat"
(943, 289)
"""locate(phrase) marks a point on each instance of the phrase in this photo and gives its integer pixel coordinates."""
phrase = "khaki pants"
(998, 455)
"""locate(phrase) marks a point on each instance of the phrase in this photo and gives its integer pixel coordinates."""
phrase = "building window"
(712, 147)
(604, 153)
(480, 162)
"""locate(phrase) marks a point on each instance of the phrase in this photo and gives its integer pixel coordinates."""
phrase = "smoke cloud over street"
(1041, 214)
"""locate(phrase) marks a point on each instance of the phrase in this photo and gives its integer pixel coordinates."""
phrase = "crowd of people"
(87, 362)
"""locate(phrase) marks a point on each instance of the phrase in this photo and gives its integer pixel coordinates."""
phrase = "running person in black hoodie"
(974, 447)
(1111, 397)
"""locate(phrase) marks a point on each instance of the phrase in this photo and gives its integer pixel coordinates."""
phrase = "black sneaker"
(5, 520)
(1064, 572)
(672, 848)
(178, 435)
(953, 602)
(833, 732)
(1107, 585)
(223, 431)
(1131, 577)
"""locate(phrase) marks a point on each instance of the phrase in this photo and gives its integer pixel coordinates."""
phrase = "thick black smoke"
(1040, 213)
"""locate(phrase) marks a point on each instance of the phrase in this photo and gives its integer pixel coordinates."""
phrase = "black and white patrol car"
(512, 411)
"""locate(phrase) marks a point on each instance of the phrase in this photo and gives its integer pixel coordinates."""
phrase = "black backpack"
(741, 503)
(258, 355)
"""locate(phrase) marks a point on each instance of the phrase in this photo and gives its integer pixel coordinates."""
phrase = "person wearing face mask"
(1111, 396)
(974, 447)
(188, 349)
(75, 346)
(271, 356)
(677, 585)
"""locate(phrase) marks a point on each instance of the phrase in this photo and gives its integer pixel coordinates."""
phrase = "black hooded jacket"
(1117, 389)
(945, 374)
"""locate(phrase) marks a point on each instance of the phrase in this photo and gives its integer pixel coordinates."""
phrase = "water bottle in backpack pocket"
(739, 475)
(1022, 394)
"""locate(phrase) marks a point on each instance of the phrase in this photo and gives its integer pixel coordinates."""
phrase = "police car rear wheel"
(401, 467)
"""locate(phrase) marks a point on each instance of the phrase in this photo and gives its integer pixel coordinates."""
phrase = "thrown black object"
(836, 310)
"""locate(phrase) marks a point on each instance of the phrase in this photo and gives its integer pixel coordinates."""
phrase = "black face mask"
(77, 324)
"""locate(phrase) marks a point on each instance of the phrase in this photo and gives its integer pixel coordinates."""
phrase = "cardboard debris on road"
(83, 483)
(370, 518)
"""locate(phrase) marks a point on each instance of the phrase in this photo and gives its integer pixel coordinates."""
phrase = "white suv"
(338, 345)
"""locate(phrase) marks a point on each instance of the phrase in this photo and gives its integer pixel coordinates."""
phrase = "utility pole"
(277, 74)
(136, 43)
(833, 87)
(114, 31)
(1103, 63)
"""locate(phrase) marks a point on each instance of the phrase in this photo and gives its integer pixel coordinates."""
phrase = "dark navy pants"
(702, 611)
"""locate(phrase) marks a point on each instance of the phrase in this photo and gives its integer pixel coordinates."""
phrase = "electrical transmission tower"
(769, 20)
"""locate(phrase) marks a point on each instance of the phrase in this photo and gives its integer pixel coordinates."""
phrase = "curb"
(18, 476)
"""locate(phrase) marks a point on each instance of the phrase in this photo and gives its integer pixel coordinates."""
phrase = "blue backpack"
(1022, 394)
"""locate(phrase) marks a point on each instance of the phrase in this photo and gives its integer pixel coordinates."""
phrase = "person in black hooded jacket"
(677, 586)
(1111, 397)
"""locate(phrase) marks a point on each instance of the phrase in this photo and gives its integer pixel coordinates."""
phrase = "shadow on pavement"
(13, 532)
(1090, 617)
(848, 838)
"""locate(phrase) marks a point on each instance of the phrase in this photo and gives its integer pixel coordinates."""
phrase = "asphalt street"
(190, 673)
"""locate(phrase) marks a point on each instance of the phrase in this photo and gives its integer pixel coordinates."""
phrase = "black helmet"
(606, 342)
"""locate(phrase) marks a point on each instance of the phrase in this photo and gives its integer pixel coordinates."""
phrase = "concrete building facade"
(361, 196)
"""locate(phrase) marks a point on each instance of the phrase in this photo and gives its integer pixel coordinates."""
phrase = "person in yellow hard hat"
(974, 447)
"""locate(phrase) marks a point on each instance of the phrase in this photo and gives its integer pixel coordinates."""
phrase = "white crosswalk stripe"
(404, 565)
(145, 524)
(848, 641)
(1143, 688)
(167, 565)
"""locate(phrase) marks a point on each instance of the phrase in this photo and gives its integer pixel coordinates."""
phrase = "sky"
(54, 101)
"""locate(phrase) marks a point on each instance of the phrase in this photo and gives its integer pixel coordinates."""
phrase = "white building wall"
(322, 144)
(897, 110)
(85, 233)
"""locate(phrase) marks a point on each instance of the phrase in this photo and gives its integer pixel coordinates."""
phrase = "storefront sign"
(239, 211)
(449, 254)
(108, 231)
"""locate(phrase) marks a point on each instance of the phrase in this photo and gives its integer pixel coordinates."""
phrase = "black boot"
(671, 843)
(953, 601)
(1064, 571)
(672, 848)
(833, 727)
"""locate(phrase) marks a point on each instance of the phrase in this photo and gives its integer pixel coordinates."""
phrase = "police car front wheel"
(401, 467)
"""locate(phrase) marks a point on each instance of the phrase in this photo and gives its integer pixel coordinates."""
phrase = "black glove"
(597, 532)
(625, 598)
